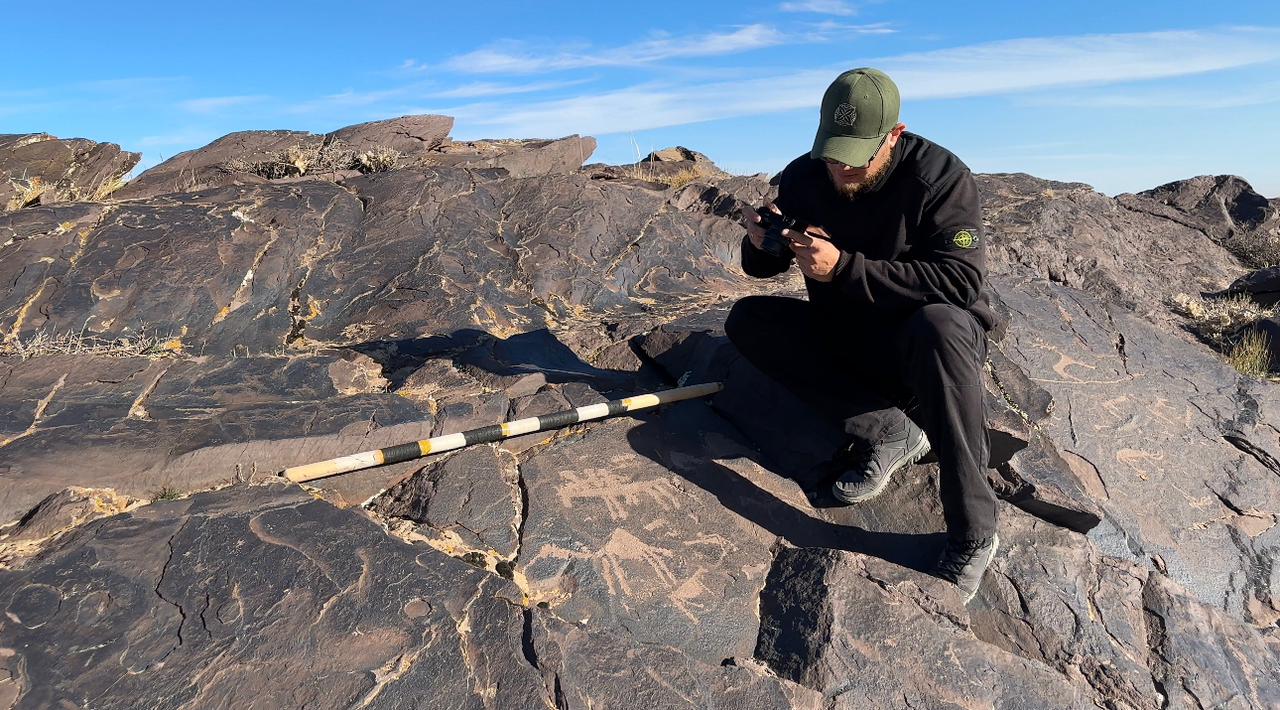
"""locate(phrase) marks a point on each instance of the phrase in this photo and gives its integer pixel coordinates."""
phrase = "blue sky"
(1121, 95)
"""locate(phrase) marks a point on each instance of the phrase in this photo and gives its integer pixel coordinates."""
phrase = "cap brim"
(852, 151)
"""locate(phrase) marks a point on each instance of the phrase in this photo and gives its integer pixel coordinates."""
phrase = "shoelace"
(958, 555)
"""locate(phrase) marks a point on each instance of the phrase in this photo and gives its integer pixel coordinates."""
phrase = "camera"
(773, 223)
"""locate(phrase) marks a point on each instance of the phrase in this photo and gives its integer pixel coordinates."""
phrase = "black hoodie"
(913, 238)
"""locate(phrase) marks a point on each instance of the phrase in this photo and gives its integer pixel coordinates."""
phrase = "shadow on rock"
(488, 357)
(676, 438)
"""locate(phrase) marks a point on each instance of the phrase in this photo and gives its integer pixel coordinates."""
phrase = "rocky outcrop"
(258, 157)
(40, 169)
(183, 340)
(675, 165)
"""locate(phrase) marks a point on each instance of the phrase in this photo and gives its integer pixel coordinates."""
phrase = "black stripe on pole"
(483, 435)
(558, 419)
(401, 452)
(616, 407)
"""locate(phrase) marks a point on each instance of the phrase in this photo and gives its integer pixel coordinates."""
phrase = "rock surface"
(212, 326)
(39, 169)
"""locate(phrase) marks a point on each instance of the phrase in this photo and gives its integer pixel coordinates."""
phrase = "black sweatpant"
(928, 364)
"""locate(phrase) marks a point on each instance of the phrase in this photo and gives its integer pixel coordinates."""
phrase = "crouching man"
(888, 235)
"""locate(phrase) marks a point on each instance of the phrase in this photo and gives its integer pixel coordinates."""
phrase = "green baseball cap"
(858, 111)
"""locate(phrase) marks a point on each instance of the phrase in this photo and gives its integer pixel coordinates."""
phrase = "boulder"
(519, 158)
(211, 166)
(407, 135)
(40, 169)
(1224, 207)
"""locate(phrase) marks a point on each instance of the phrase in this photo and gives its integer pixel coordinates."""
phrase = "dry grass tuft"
(646, 170)
(298, 160)
(1251, 354)
(44, 344)
(26, 192)
(1225, 323)
(378, 160)
(1218, 320)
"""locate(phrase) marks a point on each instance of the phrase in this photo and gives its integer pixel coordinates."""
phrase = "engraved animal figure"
(614, 489)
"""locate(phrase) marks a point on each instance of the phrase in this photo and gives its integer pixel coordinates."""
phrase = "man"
(893, 258)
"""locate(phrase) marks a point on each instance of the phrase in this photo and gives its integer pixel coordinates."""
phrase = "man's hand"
(815, 254)
(751, 219)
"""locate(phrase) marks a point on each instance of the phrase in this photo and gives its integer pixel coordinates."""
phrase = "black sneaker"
(964, 560)
(870, 466)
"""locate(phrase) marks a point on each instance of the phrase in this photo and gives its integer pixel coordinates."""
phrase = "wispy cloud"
(1235, 97)
(216, 103)
(822, 7)
(514, 57)
(995, 68)
(480, 89)
(1025, 64)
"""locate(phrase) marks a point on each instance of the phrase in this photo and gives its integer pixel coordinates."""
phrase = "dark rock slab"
(663, 529)
(37, 222)
(519, 158)
(409, 135)
(1178, 447)
(1051, 597)
(221, 269)
(1225, 208)
(470, 500)
(263, 597)
(1203, 658)
(140, 425)
(591, 670)
(40, 169)
(207, 167)
(1132, 634)
(1114, 249)
(866, 633)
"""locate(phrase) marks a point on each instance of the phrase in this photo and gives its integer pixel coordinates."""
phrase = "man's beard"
(850, 191)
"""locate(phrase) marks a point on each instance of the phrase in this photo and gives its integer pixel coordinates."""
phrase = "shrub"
(1251, 354)
(298, 160)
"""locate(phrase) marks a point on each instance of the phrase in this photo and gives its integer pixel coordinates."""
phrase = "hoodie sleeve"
(945, 264)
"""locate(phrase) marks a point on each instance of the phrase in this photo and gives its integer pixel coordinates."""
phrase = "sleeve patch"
(964, 239)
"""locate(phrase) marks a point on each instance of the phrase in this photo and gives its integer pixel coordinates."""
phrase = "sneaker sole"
(995, 547)
(912, 456)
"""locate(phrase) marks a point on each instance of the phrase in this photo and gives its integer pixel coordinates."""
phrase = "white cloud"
(1012, 66)
(513, 58)
(216, 103)
(1226, 97)
(994, 68)
(822, 7)
(479, 89)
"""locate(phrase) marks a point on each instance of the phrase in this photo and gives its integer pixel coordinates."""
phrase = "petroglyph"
(616, 490)
(623, 547)
(1066, 361)
(1142, 462)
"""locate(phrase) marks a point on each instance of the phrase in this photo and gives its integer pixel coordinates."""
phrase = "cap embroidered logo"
(964, 239)
(846, 114)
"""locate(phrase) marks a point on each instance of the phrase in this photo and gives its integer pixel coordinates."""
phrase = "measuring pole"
(494, 432)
